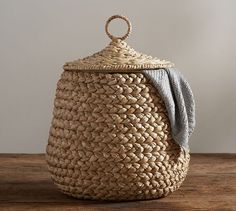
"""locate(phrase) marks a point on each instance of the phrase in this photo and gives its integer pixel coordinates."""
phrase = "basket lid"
(118, 56)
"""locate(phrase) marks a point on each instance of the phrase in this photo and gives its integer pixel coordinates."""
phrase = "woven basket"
(110, 137)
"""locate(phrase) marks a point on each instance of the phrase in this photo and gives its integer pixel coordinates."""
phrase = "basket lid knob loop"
(118, 17)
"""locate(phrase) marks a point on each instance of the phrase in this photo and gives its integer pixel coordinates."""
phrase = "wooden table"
(25, 185)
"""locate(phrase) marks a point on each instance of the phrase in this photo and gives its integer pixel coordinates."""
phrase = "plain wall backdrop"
(37, 37)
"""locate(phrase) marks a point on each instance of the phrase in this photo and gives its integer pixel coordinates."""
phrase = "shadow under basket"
(110, 137)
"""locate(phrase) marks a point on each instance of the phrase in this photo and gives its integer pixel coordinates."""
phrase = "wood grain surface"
(25, 185)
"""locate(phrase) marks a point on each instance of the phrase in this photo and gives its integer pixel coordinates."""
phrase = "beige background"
(37, 37)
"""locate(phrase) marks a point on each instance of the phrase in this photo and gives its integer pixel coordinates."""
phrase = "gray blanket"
(179, 102)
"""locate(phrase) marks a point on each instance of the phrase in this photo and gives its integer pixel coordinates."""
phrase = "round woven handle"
(118, 17)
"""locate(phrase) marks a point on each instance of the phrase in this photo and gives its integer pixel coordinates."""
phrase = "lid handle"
(116, 17)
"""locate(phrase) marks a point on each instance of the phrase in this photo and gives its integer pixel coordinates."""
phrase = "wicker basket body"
(110, 138)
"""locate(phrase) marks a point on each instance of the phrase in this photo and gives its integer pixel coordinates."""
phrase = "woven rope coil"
(110, 139)
(112, 37)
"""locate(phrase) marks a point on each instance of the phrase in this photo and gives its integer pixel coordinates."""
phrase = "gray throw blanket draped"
(179, 101)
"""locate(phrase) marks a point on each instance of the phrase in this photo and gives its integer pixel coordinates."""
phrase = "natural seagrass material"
(110, 139)
(118, 56)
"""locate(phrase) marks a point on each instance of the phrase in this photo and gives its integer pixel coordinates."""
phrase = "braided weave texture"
(117, 56)
(110, 139)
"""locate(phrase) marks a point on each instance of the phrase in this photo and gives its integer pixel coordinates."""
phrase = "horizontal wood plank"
(25, 184)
